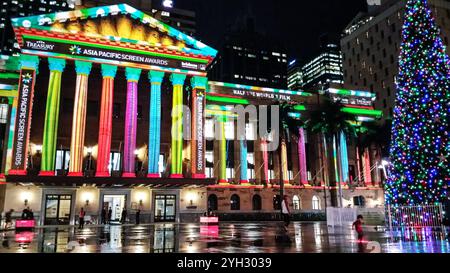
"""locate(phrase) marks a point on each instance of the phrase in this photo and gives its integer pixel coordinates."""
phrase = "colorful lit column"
(177, 126)
(28, 70)
(284, 164)
(244, 162)
(154, 142)
(222, 152)
(51, 117)
(83, 70)
(302, 157)
(336, 161)
(366, 167)
(133, 75)
(13, 104)
(265, 156)
(198, 143)
(344, 158)
(105, 124)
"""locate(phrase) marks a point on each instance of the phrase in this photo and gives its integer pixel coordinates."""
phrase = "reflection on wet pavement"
(225, 238)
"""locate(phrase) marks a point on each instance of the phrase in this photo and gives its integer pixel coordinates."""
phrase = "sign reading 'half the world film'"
(255, 94)
(22, 129)
(91, 51)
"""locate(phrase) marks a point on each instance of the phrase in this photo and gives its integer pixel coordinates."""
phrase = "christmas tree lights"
(420, 139)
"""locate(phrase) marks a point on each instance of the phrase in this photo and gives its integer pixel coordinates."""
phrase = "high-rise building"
(295, 75)
(371, 46)
(162, 10)
(19, 8)
(324, 69)
(250, 58)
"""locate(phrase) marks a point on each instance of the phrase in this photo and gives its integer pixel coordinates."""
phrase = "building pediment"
(92, 32)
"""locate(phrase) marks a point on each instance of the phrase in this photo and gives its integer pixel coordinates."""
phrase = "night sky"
(299, 23)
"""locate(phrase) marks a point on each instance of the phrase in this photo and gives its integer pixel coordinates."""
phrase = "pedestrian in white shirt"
(286, 213)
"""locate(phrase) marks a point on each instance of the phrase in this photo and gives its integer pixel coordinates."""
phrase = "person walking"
(357, 225)
(138, 216)
(109, 215)
(124, 216)
(103, 216)
(81, 218)
(285, 212)
(8, 219)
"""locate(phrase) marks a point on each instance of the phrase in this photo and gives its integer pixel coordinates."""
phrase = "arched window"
(256, 202)
(277, 202)
(315, 203)
(235, 202)
(212, 202)
(296, 202)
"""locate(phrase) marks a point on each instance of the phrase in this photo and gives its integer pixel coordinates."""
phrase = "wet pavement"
(225, 238)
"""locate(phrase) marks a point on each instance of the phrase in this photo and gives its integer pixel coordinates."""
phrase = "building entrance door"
(115, 203)
(165, 208)
(57, 209)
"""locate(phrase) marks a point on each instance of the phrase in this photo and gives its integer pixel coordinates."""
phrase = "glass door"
(165, 208)
(57, 209)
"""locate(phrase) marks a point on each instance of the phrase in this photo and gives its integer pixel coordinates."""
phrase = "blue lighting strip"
(244, 167)
(344, 157)
(156, 79)
(8, 87)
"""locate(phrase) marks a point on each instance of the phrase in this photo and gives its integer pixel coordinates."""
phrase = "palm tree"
(329, 123)
(288, 126)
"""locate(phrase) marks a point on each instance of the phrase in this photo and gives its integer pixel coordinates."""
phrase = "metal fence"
(427, 216)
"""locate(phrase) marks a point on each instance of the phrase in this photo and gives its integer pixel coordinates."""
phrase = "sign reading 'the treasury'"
(126, 56)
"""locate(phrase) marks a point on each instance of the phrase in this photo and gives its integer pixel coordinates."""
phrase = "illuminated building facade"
(248, 57)
(371, 46)
(295, 76)
(19, 8)
(100, 126)
(324, 69)
(165, 11)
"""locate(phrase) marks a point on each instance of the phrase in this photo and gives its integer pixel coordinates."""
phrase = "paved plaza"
(226, 238)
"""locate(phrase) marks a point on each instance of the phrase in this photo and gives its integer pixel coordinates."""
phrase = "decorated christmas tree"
(420, 135)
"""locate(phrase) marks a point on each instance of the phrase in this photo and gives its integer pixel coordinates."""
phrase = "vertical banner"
(198, 125)
(23, 122)
(198, 147)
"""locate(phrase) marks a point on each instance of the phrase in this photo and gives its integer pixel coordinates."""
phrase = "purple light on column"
(302, 157)
(130, 130)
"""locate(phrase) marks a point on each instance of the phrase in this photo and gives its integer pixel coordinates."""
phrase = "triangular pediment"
(117, 23)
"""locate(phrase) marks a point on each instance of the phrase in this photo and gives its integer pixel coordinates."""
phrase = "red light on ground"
(24, 237)
(209, 231)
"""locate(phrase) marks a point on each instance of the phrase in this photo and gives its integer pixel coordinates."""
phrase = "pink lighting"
(209, 220)
(130, 130)
(302, 157)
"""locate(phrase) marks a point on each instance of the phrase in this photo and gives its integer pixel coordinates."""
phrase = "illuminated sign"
(199, 102)
(251, 94)
(83, 51)
(23, 118)
(209, 220)
(361, 101)
(168, 3)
